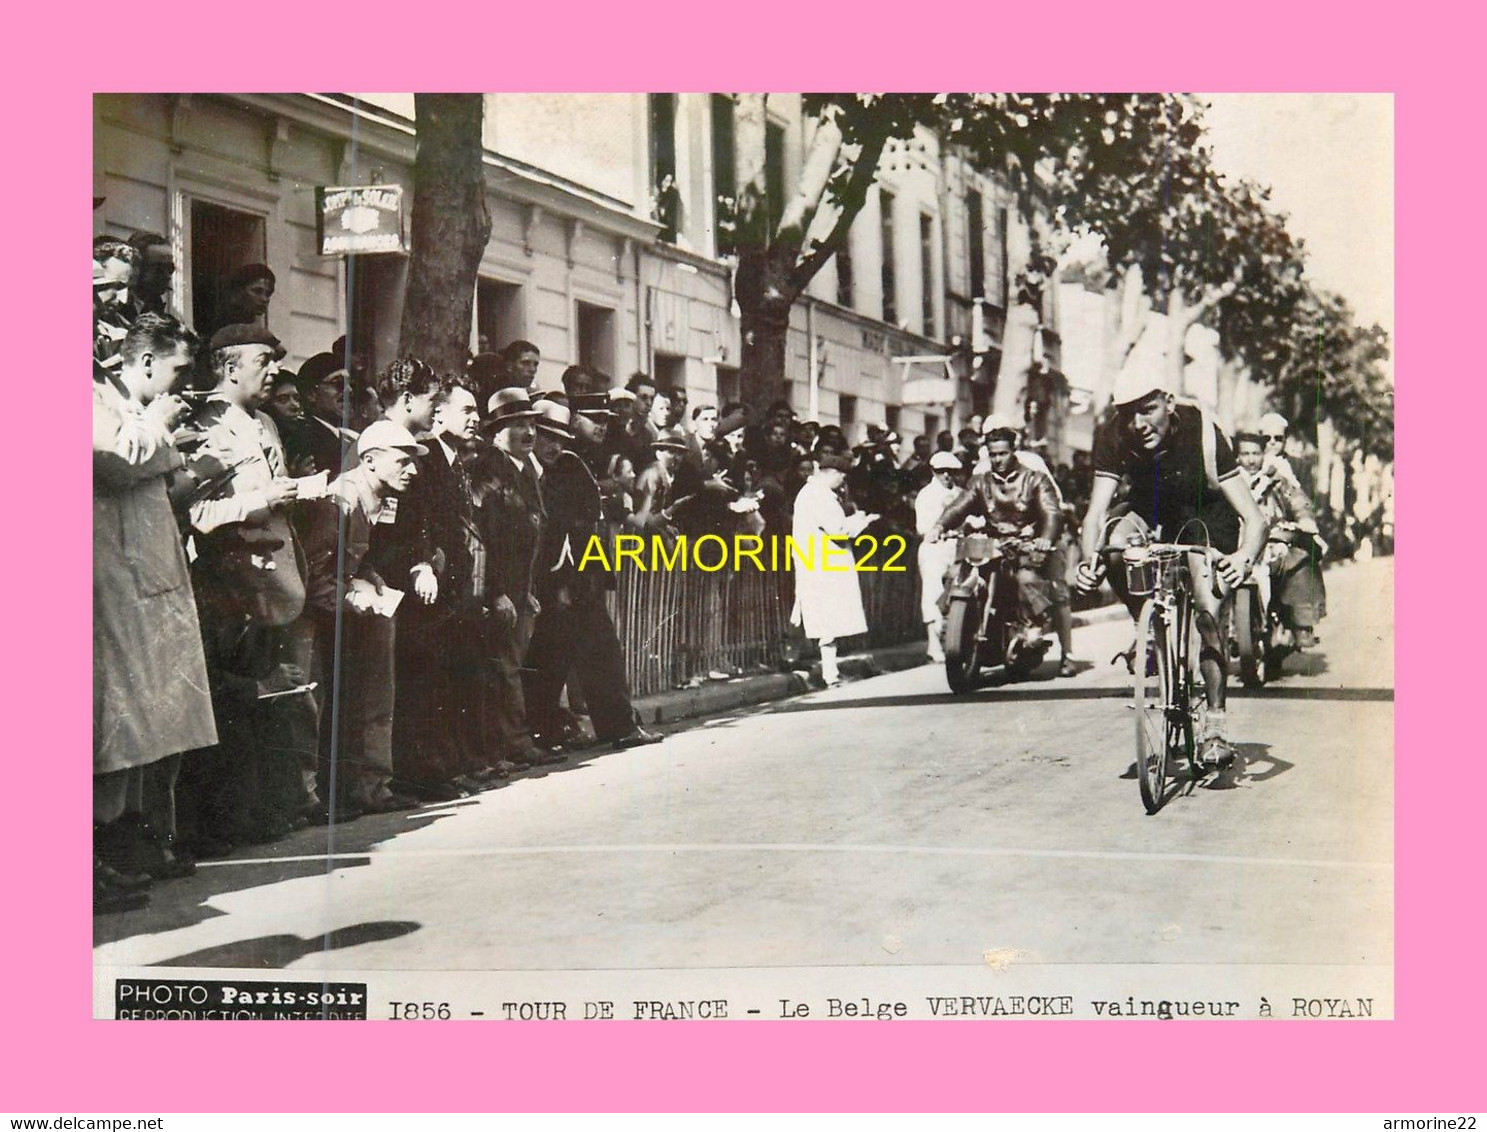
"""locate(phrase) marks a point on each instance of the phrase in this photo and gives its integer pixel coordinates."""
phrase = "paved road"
(883, 822)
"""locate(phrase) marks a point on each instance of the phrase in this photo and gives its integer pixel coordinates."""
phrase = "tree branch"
(815, 173)
(850, 201)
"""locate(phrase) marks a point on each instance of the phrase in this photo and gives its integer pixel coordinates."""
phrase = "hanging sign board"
(360, 219)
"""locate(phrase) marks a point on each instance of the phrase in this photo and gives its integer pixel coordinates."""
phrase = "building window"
(222, 240)
(774, 174)
(891, 417)
(890, 293)
(596, 338)
(927, 273)
(844, 272)
(931, 425)
(667, 210)
(498, 314)
(977, 240)
(725, 170)
(728, 386)
(846, 412)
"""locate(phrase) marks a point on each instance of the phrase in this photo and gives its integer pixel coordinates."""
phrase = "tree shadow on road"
(310, 852)
(269, 951)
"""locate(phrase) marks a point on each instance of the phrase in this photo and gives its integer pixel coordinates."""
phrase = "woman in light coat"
(828, 599)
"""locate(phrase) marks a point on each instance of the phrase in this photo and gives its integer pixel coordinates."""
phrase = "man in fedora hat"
(509, 518)
(1186, 485)
(574, 633)
(654, 487)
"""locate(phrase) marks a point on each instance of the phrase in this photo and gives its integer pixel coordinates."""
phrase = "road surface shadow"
(268, 951)
(1253, 763)
(310, 852)
(1341, 695)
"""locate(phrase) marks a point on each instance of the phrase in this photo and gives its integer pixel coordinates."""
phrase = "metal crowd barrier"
(677, 627)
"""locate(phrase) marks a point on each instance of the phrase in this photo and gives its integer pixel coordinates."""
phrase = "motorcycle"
(1260, 637)
(984, 621)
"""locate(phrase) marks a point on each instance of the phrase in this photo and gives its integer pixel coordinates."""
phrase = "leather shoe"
(431, 791)
(390, 803)
(536, 756)
(640, 737)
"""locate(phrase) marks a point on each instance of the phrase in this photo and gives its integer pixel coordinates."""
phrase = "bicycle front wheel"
(1156, 701)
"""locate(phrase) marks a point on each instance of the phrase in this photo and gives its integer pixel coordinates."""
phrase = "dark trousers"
(579, 641)
(359, 686)
(425, 725)
(1297, 586)
(503, 702)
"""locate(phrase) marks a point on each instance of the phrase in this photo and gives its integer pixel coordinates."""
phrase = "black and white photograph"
(743, 556)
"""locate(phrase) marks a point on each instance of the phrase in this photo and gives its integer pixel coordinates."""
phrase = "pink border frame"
(59, 1060)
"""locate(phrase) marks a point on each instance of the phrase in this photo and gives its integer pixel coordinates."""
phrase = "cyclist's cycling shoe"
(1216, 754)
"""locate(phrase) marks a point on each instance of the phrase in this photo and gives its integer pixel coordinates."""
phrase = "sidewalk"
(744, 691)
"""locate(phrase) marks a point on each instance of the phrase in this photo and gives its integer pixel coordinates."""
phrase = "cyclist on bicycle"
(1013, 497)
(1185, 481)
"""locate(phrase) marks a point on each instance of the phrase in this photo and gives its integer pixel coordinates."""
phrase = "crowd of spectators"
(332, 593)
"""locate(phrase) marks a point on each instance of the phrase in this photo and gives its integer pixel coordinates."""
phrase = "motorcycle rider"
(1012, 496)
(1295, 574)
(1055, 571)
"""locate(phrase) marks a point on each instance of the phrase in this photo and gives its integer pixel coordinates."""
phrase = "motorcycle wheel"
(1252, 631)
(961, 666)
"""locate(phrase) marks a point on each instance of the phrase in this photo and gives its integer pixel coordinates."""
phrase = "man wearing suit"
(510, 517)
(574, 633)
(414, 546)
(323, 441)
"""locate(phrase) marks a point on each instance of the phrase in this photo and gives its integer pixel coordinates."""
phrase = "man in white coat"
(828, 599)
(934, 557)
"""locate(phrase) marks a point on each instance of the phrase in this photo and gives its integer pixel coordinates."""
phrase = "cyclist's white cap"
(1273, 423)
(1135, 383)
(997, 421)
(945, 462)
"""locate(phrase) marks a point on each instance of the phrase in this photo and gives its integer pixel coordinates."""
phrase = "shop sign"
(360, 219)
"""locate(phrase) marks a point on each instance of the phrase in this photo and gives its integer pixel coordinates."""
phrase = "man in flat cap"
(338, 531)
(574, 632)
(935, 557)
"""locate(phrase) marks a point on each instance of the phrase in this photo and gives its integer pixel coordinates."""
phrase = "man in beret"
(574, 633)
(328, 444)
(246, 545)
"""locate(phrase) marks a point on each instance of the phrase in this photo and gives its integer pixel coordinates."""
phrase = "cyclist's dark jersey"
(1169, 487)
